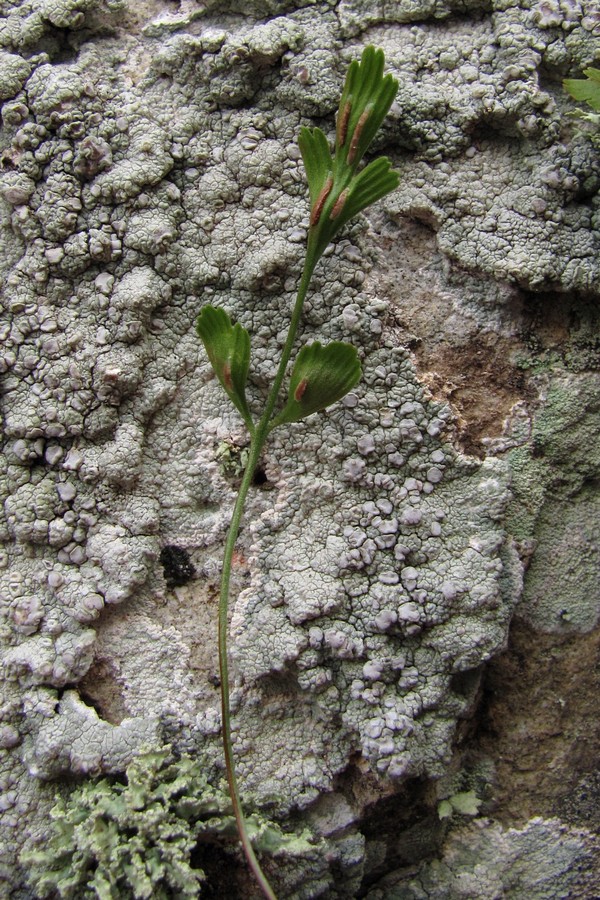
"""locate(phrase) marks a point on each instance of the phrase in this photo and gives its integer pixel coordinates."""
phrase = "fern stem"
(255, 450)
(257, 443)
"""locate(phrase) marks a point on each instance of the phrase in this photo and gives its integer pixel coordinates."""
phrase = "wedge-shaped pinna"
(335, 199)
(318, 165)
(371, 184)
(321, 375)
(364, 104)
(228, 349)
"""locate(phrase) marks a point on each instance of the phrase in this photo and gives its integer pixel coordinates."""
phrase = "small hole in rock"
(259, 478)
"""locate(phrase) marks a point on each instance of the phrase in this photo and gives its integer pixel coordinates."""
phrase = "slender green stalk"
(259, 436)
(255, 450)
(256, 446)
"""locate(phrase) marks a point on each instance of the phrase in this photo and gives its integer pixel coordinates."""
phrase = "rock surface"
(149, 165)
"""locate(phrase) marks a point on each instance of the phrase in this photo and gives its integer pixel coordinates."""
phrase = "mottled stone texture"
(149, 165)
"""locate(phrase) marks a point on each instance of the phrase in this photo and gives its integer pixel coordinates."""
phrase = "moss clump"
(133, 838)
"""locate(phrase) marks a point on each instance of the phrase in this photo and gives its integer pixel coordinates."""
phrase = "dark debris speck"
(177, 566)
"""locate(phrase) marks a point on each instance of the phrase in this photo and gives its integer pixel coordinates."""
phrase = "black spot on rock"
(177, 566)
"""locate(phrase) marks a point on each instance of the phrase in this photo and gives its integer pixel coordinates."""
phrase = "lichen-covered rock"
(348, 586)
(484, 861)
(149, 170)
(14, 71)
(561, 516)
(75, 739)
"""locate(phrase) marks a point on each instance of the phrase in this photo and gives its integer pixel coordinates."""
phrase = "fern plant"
(340, 187)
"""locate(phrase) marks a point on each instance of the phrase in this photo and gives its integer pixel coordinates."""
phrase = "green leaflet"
(364, 104)
(371, 184)
(587, 89)
(466, 803)
(321, 375)
(317, 160)
(228, 349)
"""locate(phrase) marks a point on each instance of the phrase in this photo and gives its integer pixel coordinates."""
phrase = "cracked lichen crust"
(508, 186)
(377, 578)
(144, 174)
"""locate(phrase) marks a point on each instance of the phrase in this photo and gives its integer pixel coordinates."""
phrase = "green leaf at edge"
(466, 803)
(228, 349)
(320, 377)
(586, 90)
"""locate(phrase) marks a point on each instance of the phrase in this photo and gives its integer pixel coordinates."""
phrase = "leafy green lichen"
(466, 803)
(133, 838)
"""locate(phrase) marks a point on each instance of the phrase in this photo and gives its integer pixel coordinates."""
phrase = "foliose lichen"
(134, 837)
